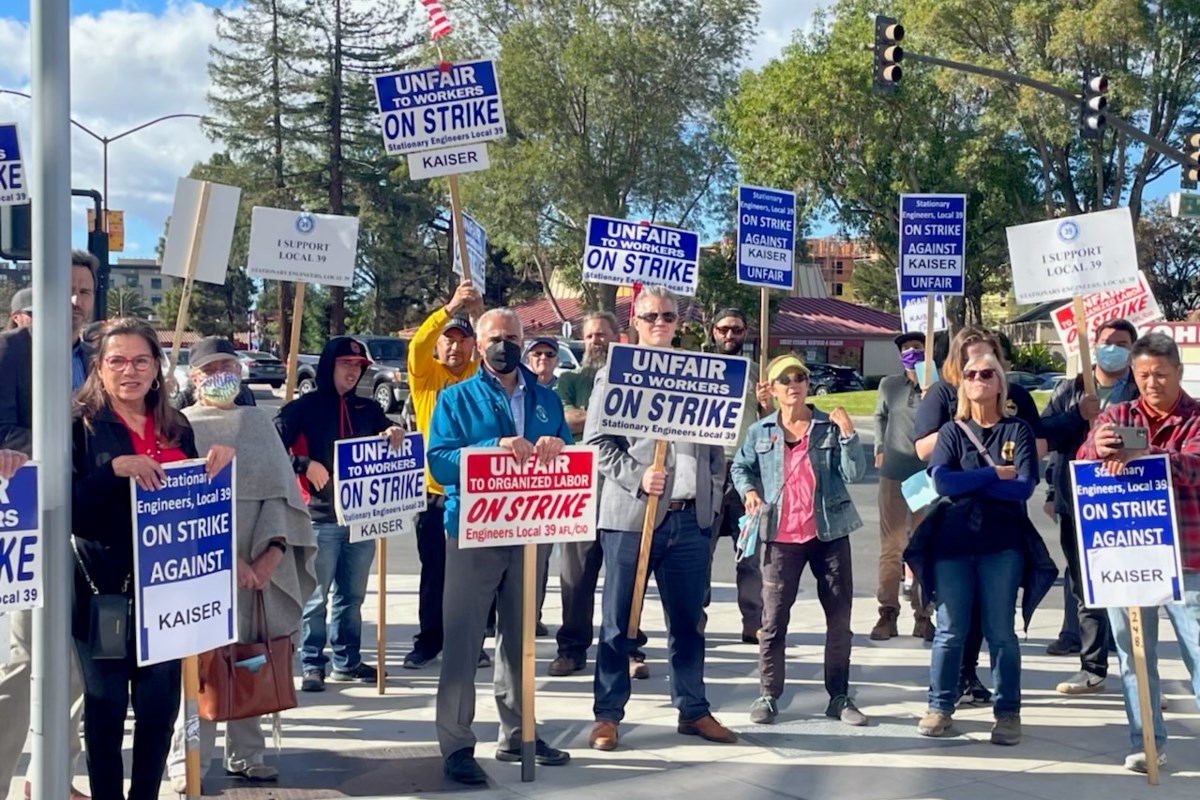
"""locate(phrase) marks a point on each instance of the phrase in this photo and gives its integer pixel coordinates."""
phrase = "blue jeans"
(344, 568)
(679, 563)
(1185, 617)
(990, 580)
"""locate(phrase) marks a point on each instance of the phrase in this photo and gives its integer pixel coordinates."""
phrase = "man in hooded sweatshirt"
(309, 427)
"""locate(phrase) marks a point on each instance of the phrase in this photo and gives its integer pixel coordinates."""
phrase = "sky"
(135, 60)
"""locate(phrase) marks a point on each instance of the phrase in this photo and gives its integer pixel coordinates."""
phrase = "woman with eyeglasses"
(791, 471)
(124, 430)
(971, 551)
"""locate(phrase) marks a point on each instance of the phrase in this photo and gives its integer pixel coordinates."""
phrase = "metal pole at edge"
(50, 187)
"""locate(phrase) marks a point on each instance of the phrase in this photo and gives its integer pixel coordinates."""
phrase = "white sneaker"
(1082, 682)
(1136, 762)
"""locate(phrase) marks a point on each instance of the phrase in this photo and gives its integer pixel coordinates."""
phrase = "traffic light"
(888, 53)
(16, 232)
(1092, 104)
(1190, 175)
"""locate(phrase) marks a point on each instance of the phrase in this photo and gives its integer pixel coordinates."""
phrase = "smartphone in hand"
(1133, 438)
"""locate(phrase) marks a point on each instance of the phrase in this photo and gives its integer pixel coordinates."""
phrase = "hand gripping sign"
(379, 491)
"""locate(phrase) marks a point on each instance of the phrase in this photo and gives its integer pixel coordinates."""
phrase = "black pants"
(1093, 622)
(431, 549)
(108, 686)
(578, 575)
(783, 564)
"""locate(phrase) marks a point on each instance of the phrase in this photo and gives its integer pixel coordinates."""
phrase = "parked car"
(260, 367)
(1026, 380)
(830, 378)
(568, 358)
(181, 372)
(1049, 379)
(385, 380)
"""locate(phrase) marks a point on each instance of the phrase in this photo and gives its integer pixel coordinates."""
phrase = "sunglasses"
(651, 317)
(736, 330)
(785, 380)
(543, 354)
(981, 374)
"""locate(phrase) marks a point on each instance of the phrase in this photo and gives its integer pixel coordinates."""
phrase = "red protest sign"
(503, 502)
(1137, 305)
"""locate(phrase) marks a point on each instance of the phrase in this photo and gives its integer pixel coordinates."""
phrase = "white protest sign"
(431, 107)
(914, 311)
(185, 559)
(1127, 534)
(673, 394)
(476, 252)
(624, 253)
(1137, 306)
(20, 541)
(504, 502)
(217, 230)
(448, 161)
(297, 246)
(14, 183)
(1063, 258)
(378, 491)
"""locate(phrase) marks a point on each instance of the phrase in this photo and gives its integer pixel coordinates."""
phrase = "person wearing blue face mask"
(1065, 424)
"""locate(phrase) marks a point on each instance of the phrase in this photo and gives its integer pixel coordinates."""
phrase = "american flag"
(439, 25)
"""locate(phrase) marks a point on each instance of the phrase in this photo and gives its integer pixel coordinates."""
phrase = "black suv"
(385, 380)
(829, 378)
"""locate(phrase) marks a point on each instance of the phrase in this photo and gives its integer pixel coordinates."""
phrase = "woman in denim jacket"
(792, 472)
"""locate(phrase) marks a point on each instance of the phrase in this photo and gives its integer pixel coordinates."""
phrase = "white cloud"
(777, 24)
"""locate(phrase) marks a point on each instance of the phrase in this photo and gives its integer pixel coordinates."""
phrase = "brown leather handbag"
(248, 680)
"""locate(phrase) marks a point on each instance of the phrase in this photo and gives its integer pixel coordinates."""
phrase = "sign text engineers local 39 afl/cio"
(624, 253)
(428, 109)
(933, 243)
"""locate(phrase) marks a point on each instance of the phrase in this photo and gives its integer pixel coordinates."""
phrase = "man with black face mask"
(503, 405)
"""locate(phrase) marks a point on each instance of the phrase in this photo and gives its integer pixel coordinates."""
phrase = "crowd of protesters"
(780, 495)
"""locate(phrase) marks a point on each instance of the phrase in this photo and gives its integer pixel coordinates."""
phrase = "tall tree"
(127, 301)
(610, 110)
(1169, 252)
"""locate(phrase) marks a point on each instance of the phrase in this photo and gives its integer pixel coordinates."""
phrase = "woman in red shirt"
(124, 429)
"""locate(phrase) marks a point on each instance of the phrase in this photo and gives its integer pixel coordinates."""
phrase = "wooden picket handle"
(1085, 356)
(293, 362)
(191, 724)
(528, 661)
(1137, 635)
(639, 581)
(381, 622)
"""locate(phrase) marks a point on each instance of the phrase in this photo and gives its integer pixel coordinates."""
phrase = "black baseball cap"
(911, 336)
(346, 347)
(460, 324)
(736, 313)
(210, 349)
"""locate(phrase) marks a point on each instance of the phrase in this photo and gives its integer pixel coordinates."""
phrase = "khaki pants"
(894, 530)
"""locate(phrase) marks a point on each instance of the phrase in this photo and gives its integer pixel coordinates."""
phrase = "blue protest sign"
(476, 252)
(428, 108)
(20, 541)
(766, 237)
(14, 183)
(185, 560)
(674, 394)
(624, 253)
(379, 491)
(933, 243)
(1128, 548)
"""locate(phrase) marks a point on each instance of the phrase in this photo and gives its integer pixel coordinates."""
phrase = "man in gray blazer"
(690, 489)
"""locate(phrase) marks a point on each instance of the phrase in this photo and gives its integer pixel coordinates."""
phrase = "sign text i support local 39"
(933, 243)
(766, 237)
(428, 109)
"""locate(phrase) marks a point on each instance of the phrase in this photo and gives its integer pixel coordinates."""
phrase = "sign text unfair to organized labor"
(379, 490)
(20, 541)
(1129, 551)
(185, 563)
(1137, 306)
(933, 243)
(624, 253)
(766, 237)
(428, 109)
(674, 394)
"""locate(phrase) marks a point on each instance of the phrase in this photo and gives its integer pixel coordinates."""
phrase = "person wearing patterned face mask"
(1065, 423)
(215, 370)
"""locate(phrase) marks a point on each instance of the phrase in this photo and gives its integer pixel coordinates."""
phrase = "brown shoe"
(885, 628)
(638, 670)
(924, 629)
(604, 735)
(708, 728)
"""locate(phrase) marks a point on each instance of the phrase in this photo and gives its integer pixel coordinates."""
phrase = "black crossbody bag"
(108, 617)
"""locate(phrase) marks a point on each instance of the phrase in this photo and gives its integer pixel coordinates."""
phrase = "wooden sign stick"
(1085, 355)
(529, 584)
(189, 277)
(293, 364)
(764, 328)
(639, 581)
(1137, 634)
(930, 309)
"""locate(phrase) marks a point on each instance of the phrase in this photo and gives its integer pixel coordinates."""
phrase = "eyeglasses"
(543, 354)
(651, 317)
(785, 380)
(120, 363)
(981, 374)
(736, 330)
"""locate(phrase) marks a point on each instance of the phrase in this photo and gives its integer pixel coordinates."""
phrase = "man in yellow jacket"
(440, 354)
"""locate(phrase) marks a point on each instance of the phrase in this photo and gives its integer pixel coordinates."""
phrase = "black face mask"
(503, 357)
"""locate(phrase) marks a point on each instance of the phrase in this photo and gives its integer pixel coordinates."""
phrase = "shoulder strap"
(975, 441)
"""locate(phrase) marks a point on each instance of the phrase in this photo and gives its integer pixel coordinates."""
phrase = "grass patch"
(862, 404)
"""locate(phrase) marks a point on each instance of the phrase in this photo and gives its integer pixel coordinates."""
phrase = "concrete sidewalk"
(350, 742)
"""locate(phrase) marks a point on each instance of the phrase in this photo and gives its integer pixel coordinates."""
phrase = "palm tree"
(126, 301)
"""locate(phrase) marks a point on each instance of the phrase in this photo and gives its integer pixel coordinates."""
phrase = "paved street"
(349, 741)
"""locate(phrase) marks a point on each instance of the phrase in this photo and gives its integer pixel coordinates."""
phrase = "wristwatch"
(276, 543)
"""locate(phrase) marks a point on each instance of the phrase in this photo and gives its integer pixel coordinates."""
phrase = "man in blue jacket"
(501, 406)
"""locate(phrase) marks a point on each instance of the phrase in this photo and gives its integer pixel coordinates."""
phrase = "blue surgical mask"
(1112, 357)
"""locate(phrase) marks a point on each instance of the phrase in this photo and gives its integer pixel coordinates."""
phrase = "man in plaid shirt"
(1172, 420)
